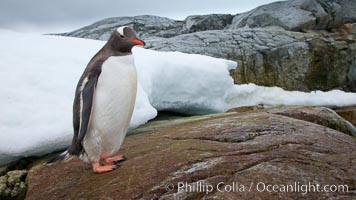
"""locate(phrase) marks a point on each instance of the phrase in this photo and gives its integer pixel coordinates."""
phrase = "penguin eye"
(122, 36)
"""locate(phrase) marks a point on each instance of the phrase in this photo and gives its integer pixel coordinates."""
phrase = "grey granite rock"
(149, 26)
(291, 60)
(299, 15)
(196, 23)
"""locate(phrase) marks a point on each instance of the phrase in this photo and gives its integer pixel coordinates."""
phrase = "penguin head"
(124, 39)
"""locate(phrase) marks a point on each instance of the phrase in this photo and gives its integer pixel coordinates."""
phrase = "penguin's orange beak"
(138, 42)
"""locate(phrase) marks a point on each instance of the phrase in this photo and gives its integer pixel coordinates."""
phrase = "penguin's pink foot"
(104, 162)
(115, 159)
(97, 168)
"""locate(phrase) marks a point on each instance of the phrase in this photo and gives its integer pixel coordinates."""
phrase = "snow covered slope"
(39, 75)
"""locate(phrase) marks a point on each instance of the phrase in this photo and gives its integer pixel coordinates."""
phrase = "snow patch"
(251, 94)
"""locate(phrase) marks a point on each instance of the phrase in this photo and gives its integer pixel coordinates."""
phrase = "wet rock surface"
(257, 145)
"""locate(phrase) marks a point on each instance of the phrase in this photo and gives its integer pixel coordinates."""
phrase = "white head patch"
(120, 30)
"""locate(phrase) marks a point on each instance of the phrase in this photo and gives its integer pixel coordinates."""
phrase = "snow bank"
(39, 75)
(185, 83)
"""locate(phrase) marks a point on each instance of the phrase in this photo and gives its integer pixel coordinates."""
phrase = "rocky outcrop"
(149, 26)
(294, 15)
(300, 45)
(298, 15)
(291, 60)
(258, 146)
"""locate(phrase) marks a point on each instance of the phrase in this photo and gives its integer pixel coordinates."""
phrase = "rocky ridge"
(145, 25)
(291, 60)
(293, 15)
(301, 45)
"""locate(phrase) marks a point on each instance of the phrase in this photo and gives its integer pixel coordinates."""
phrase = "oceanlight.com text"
(296, 187)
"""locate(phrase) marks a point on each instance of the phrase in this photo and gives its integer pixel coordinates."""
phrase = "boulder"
(196, 23)
(298, 15)
(249, 149)
(339, 120)
(318, 115)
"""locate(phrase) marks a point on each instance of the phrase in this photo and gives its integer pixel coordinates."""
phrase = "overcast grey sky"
(43, 16)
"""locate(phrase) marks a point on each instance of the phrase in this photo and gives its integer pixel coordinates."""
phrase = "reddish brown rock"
(246, 109)
(247, 149)
(318, 115)
(348, 113)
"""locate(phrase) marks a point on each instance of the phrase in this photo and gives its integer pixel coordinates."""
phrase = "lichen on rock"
(13, 186)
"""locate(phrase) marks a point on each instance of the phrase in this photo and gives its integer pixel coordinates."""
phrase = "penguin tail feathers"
(65, 156)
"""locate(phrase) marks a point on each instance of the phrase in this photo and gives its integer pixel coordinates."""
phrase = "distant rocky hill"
(146, 25)
(149, 26)
(297, 45)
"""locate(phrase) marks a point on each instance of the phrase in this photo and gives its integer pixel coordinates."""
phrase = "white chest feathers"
(113, 106)
(117, 71)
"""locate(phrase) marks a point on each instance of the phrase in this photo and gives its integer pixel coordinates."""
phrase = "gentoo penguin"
(104, 102)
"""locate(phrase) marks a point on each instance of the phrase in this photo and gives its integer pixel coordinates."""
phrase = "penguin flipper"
(87, 97)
